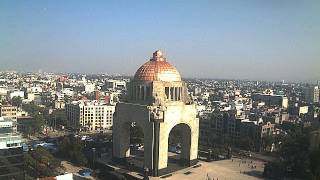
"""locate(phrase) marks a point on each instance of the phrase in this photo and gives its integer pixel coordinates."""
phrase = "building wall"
(93, 117)
(8, 112)
(272, 100)
(11, 154)
(311, 94)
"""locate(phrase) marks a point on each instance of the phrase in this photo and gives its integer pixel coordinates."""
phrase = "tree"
(315, 164)
(267, 142)
(57, 118)
(32, 109)
(295, 152)
(72, 148)
(40, 163)
(16, 101)
(38, 122)
(294, 155)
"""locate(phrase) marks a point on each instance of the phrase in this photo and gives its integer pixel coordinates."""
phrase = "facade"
(116, 84)
(91, 115)
(311, 94)
(157, 102)
(59, 104)
(303, 110)
(8, 111)
(11, 154)
(89, 88)
(16, 93)
(272, 100)
(223, 127)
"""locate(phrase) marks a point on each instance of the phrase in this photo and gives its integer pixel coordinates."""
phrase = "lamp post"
(93, 157)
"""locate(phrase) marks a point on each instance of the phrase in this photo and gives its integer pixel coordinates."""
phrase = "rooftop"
(157, 69)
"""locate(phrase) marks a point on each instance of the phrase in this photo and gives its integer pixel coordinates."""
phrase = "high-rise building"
(11, 153)
(91, 115)
(311, 94)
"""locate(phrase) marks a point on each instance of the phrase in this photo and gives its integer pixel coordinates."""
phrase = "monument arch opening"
(179, 144)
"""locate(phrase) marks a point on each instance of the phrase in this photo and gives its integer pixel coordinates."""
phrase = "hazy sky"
(242, 39)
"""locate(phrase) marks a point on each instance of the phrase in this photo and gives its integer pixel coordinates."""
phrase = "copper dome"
(157, 69)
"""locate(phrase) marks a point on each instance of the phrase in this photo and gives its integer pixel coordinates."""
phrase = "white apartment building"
(114, 84)
(89, 88)
(90, 115)
(16, 93)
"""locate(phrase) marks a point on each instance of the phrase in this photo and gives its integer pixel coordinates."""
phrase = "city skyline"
(274, 40)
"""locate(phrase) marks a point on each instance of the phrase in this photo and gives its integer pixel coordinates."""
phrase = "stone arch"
(185, 131)
(121, 133)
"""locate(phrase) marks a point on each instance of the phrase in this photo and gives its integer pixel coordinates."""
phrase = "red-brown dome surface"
(157, 69)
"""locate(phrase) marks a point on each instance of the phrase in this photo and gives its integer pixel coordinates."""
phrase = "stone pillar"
(163, 146)
(137, 92)
(121, 141)
(194, 141)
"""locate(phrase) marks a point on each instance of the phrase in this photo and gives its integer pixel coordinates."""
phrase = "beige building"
(303, 110)
(90, 115)
(157, 102)
(8, 111)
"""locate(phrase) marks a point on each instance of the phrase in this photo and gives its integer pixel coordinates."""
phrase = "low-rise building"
(271, 100)
(116, 84)
(8, 111)
(16, 93)
(11, 153)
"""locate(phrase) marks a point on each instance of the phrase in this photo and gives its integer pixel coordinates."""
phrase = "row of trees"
(42, 117)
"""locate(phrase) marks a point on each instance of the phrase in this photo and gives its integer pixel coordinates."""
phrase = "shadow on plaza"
(255, 173)
(136, 163)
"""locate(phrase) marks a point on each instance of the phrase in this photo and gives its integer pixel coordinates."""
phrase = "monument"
(157, 101)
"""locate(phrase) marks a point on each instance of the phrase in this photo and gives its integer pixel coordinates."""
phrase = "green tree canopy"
(40, 163)
(72, 148)
(16, 101)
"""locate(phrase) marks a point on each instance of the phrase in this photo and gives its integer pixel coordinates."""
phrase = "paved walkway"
(221, 170)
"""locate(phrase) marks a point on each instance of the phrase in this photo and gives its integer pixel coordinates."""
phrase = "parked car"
(85, 172)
